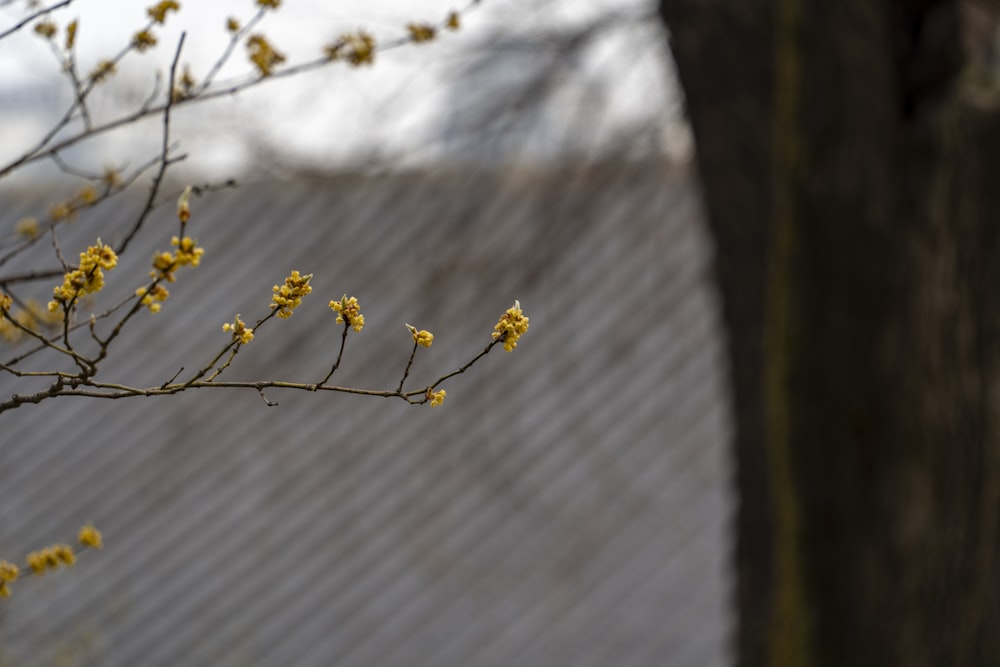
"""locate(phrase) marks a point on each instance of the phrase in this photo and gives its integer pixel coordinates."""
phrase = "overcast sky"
(399, 106)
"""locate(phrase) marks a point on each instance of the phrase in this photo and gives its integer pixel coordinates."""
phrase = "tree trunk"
(850, 159)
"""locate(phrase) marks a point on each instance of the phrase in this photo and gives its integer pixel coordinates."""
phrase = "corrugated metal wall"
(568, 505)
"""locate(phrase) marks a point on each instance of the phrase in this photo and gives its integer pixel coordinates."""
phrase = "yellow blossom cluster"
(436, 397)
(9, 332)
(26, 319)
(182, 91)
(452, 22)
(264, 56)
(269, 4)
(511, 326)
(241, 331)
(90, 537)
(28, 228)
(50, 558)
(153, 299)
(421, 32)
(187, 80)
(66, 210)
(165, 263)
(159, 11)
(8, 572)
(46, 29)
(71, 34)
(8, 575)
(33, 316)
(111, 177)
(188, 252)
(232, 25)
(348, 310)
(422, 337)
(143, 40)
(356, 48)
(87, 196)
(102, 71)
(88, 278)
(61, 211)
(287, 297)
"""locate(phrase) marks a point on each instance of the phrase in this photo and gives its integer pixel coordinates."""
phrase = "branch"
(336, 364)
(223, 90)
(406, 371)
(87, 387)
(40, 13)
(164, 152)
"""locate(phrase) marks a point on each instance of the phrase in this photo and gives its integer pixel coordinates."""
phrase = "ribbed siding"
(568, 504)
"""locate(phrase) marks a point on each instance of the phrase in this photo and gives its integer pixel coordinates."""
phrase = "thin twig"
(225, 364)
(66, 168)
(175, 376)
(224, 58)
(340, 355)
(30, 276)
(57, 249)
(136, 307)
(158, 79)
(40, 13)
(468, 365)
(210, 365)
(269, 403)
(406, 371)
(164, 152)
(74, 79)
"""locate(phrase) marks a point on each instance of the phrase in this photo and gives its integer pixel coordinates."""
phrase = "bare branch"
(37, 15)
(86, 386)
(222, 90)
(86, 277)
(406, 371)
(164, 152)
(340, 355)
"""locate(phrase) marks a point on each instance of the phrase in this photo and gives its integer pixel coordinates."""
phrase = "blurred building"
(568, 504)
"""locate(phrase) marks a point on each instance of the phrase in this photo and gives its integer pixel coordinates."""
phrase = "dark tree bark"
(850, 159)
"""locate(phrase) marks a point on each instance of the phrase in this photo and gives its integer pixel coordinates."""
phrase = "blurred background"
(521, 81)
(570, 503)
